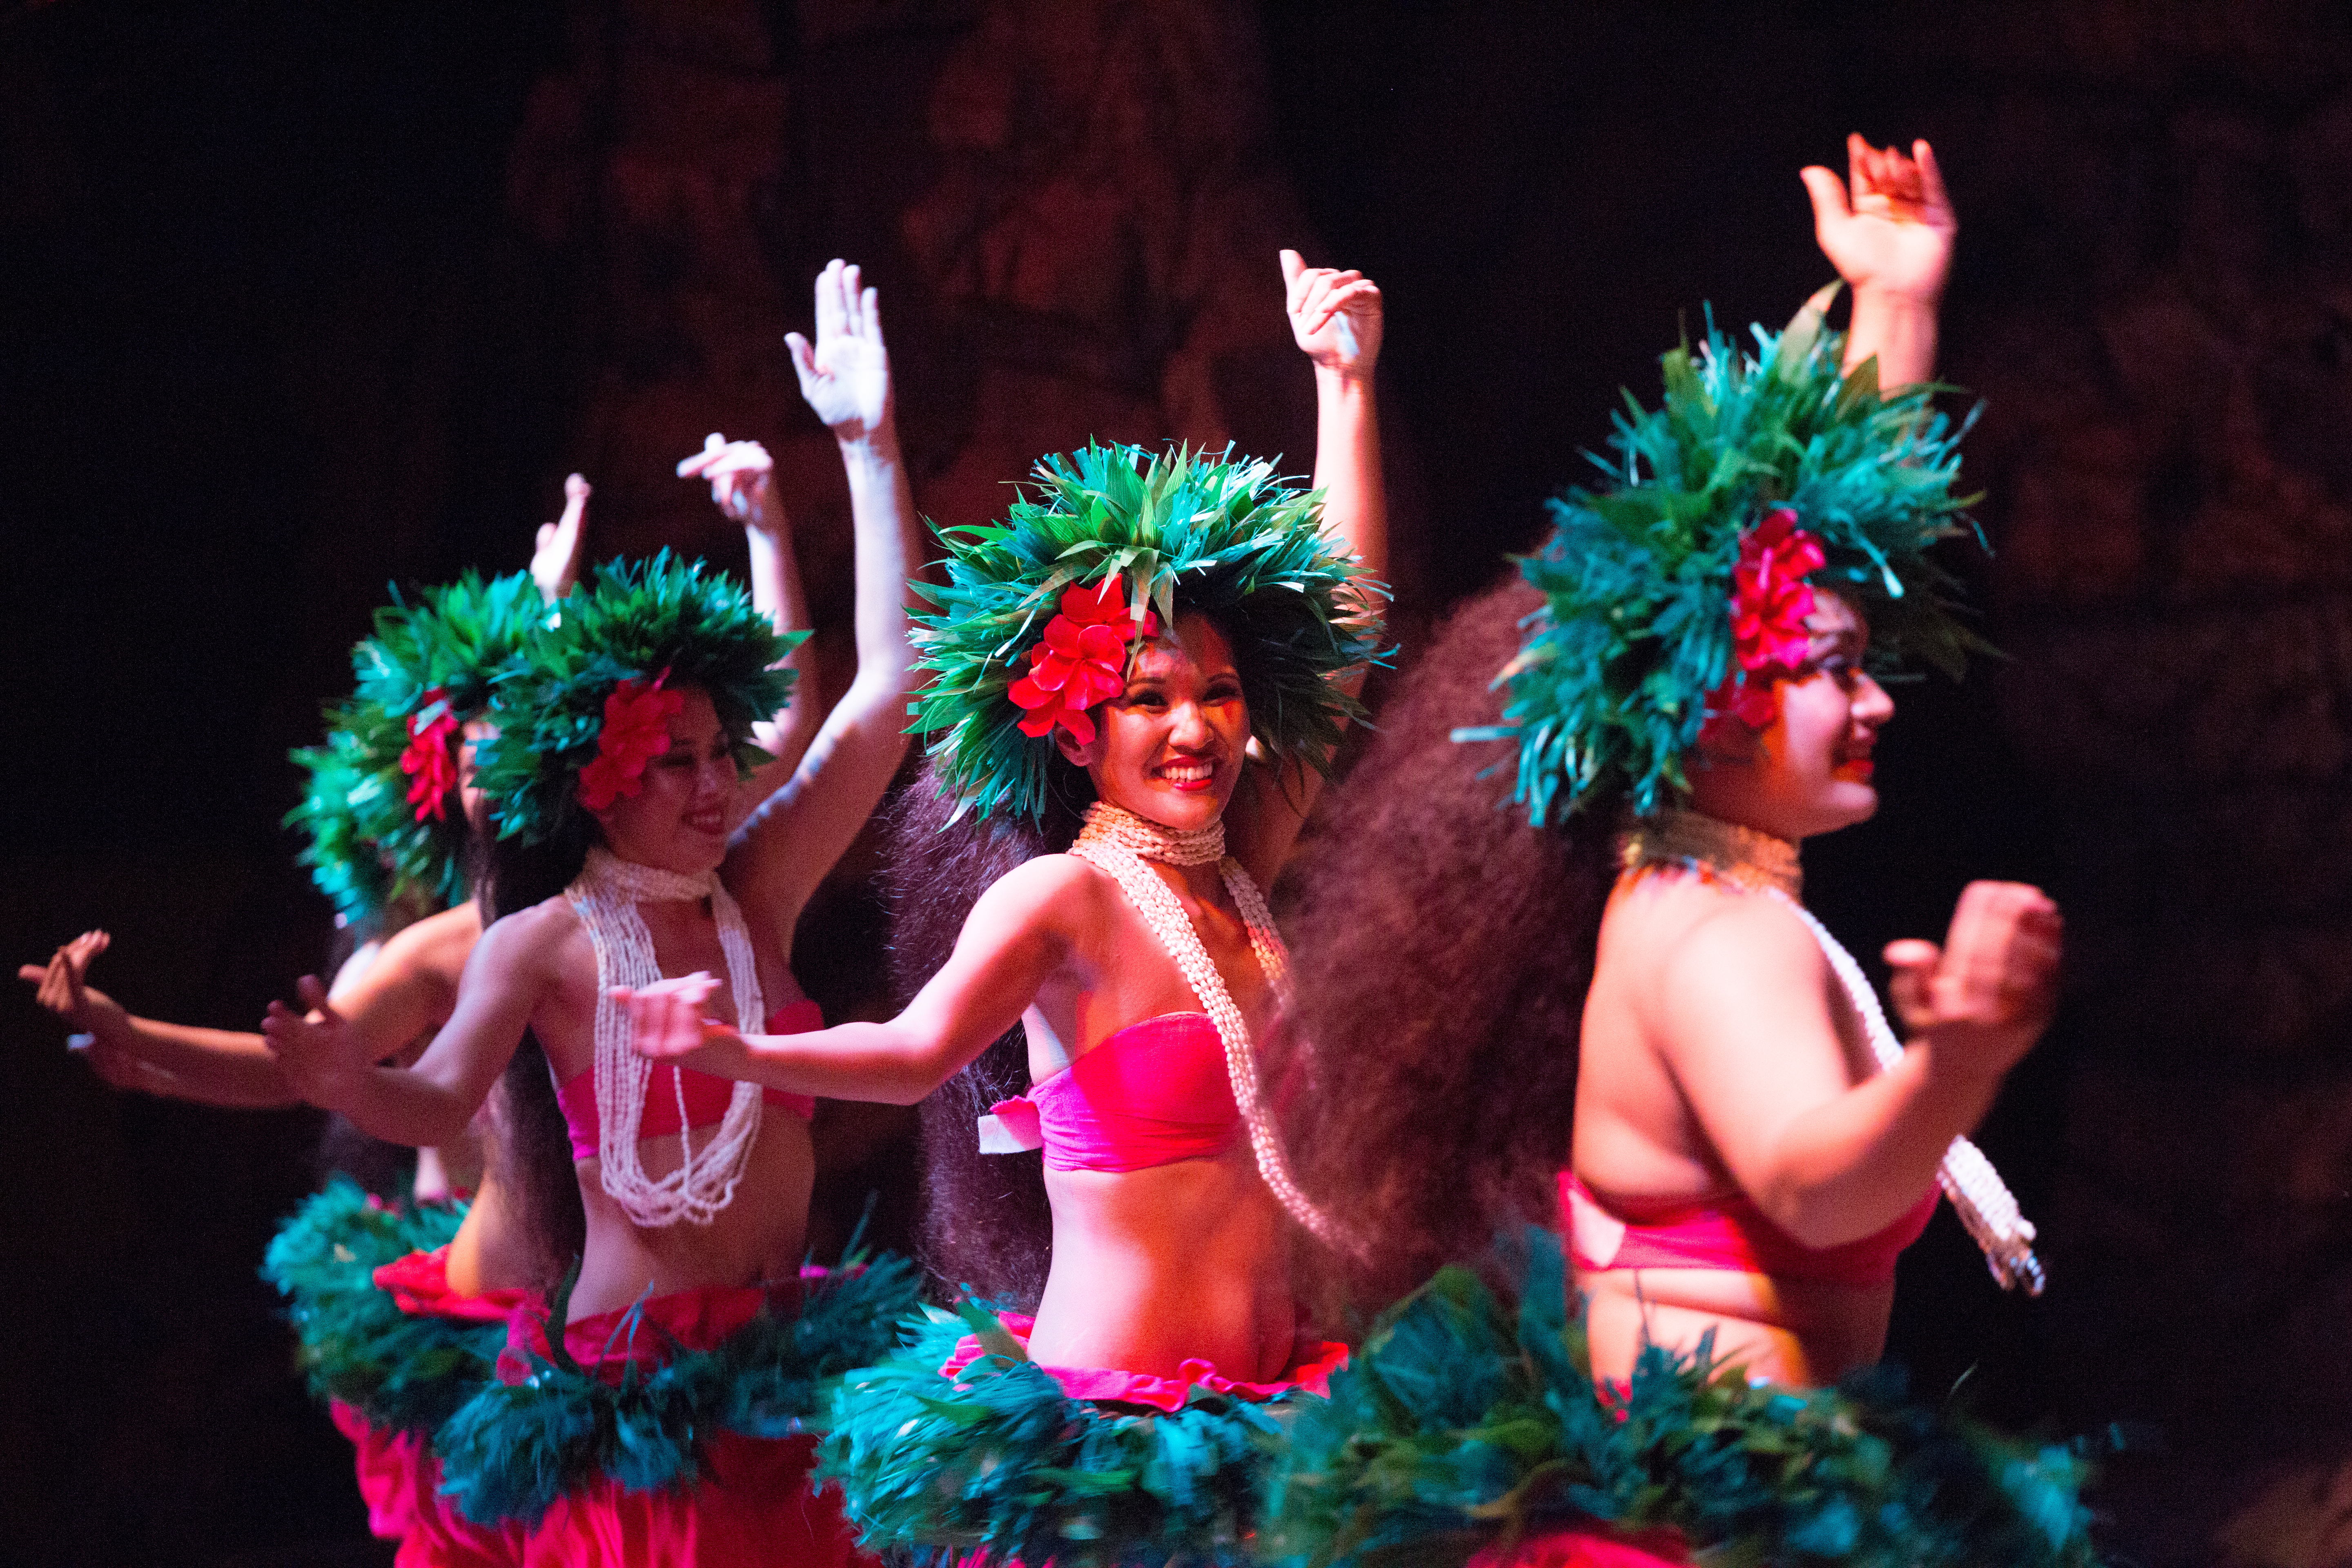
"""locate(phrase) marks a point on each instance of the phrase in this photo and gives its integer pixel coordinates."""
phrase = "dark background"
(299, 299)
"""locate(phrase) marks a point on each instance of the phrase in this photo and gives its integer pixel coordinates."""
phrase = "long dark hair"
(1441, 948)
(534, 1151)
(986, 1225)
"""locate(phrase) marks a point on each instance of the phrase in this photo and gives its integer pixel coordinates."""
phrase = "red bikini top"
(1728, 1232)
(706, 1094)
(1149, 1094)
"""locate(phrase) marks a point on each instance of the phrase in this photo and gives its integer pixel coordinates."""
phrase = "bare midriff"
(1157, 1266)
(1794, 1331)
(490, 1251)
(757, 1237)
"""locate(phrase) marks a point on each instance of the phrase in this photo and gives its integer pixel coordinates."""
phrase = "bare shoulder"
(1057, 889)
(1738, 944)
(1050, 894)
(532, 940)
(438, 945)
(1737, 958)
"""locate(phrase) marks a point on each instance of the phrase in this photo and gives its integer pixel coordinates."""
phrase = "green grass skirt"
(404, 1372)
(997, 1462)
(1464, 1424)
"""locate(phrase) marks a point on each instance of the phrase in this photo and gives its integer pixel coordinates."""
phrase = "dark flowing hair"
(986, 1226)
(1441, 948)
(534, 1149)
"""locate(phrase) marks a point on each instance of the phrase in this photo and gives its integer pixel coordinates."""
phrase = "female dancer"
(1117, 645)
(383, 840)
(621, 749)
(1751, 1145)
(400, 1310)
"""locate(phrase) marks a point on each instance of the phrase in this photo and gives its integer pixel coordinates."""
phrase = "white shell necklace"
(1759, 862)
(606, 894)
(1119, 842)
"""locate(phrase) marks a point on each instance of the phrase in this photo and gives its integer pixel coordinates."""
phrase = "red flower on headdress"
(1081, 660)
(1769, 602)
(635, 731)
(430, 758)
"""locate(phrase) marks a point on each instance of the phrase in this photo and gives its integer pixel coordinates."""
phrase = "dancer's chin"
(1186, 807)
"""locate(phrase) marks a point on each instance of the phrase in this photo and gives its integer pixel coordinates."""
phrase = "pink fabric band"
(1311, 1366)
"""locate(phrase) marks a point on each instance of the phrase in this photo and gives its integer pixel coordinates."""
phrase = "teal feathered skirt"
(677, 1429)
(1469, 1431)
(393, 1353)
(961, 1449)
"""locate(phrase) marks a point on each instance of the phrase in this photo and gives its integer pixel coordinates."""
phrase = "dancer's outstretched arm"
(1021, 930)
(332, 1063)
(390, 998)
(1888, 229)
(1336, 318)
(742, 477)
(222, 1068)
(782, 852)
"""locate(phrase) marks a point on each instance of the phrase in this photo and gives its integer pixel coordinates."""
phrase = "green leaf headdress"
(1181, 532)
(1756, 476)
(379, 805)
(643, 627)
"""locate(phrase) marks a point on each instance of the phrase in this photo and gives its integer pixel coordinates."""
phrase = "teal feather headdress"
(1636, 646)
(378, 828)
(664, 620)
(1184, 532)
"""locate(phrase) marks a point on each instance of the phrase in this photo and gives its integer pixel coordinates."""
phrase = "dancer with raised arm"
(398, 1308)
(383, 841)
(620, 762)
(401, 1308)
(1569, 908)
(1110, 663)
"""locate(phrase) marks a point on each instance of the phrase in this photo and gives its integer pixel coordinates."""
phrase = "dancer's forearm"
(211, 1066)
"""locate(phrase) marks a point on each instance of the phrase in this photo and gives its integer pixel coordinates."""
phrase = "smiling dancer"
(657, 1420)
(400, 1309)
(1687, 672)
(1106, 662)
(397, 1308)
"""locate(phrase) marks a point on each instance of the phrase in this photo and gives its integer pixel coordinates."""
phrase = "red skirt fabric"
(1588, 1546)
(400, 1480)
(399, 1475)
(752, 1506)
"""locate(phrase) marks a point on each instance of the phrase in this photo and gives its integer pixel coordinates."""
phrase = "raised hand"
(665, 1019)
(555, 562)
(738, 472)
(1889, 226)
(321, 1053)
(1984, 997)
(845, 375)
(1335, 316)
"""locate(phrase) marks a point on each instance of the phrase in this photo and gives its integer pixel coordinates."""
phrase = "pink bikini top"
(706, 1094)
(1149, 1094)
(1731, 1233)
